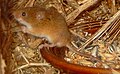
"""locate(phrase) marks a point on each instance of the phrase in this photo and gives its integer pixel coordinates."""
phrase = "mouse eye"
(23, 14)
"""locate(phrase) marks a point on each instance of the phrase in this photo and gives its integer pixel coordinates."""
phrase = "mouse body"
(47, 23)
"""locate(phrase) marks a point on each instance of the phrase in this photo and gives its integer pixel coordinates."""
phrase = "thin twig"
(31, 64)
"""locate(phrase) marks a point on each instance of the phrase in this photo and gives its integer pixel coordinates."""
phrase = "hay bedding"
(20, 51)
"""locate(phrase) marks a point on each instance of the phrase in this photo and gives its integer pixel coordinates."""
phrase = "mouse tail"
(76, 51)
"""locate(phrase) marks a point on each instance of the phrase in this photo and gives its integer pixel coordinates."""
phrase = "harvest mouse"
(47, 23)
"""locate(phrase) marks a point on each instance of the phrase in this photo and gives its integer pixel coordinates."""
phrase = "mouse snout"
(16, 14)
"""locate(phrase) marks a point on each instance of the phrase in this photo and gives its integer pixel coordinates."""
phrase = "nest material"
(19, 50)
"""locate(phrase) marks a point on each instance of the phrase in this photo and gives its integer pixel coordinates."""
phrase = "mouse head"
(29, 16)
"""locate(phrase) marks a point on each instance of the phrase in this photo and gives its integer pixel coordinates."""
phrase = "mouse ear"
(40, 15)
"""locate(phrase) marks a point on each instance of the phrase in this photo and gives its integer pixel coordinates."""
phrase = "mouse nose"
(13, 14)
